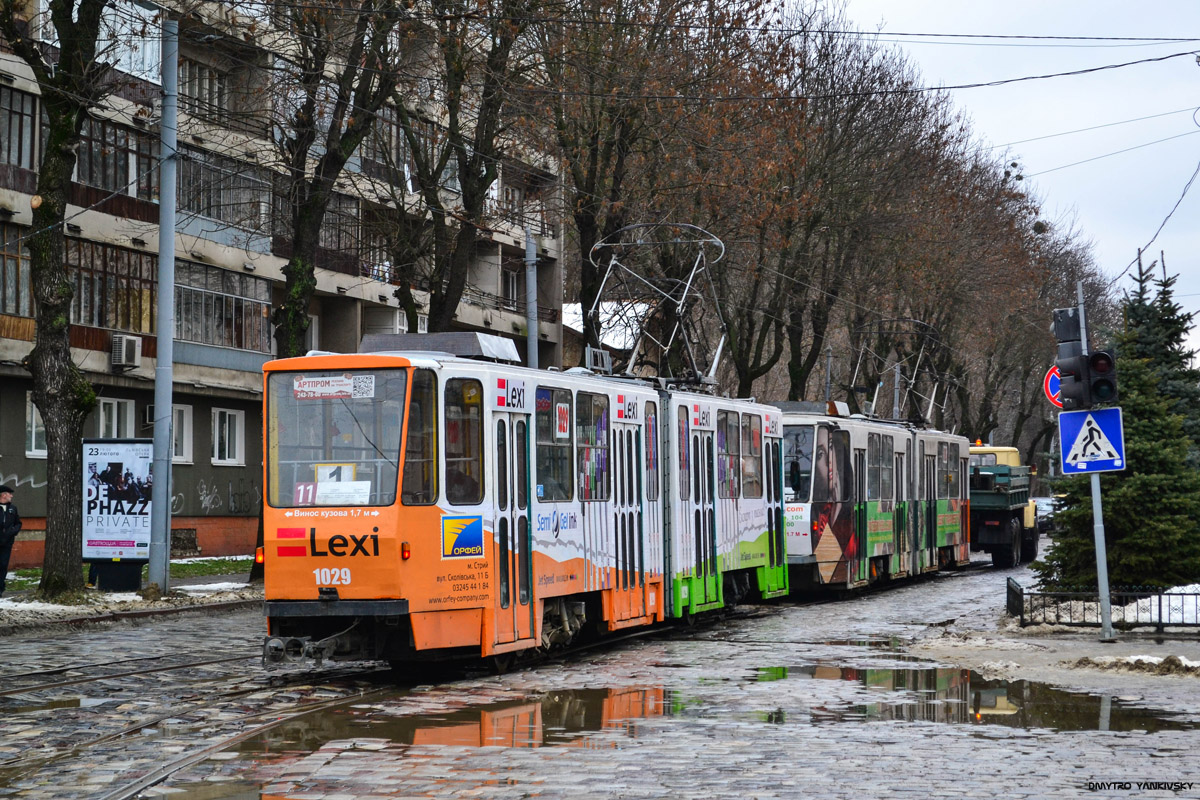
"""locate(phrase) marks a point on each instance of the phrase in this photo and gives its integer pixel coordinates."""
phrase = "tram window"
(524, 565)
(334, 437)
(887, 453)
(591, 431)
(952, 472)
(943, 459)
(464, 441)
(519, 438)
(752, 456)
(420, 451)
(552, 419)
(729, 467)
(873, 466)
(629, 471)
(501, 465)
(797, 462)
(684, 435)
(651, 452)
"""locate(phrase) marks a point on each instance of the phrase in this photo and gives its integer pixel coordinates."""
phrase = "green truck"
(1003, 517)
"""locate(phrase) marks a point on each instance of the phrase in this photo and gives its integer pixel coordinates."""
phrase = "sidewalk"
(20, 612)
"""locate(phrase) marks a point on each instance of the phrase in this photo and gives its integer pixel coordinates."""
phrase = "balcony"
(533, 217)
(494, 302)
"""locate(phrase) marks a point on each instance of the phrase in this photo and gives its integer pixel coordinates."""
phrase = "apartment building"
(231, 242)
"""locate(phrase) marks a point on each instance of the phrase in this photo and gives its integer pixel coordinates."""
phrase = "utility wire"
(1093, 128)
(1114, 153)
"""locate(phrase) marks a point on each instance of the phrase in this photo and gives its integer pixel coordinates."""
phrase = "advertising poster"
(116, 498)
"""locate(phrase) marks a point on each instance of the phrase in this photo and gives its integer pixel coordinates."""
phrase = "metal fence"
(1137, 606)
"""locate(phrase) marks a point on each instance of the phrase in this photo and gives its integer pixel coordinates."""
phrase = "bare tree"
(340, 64)
(74, 77)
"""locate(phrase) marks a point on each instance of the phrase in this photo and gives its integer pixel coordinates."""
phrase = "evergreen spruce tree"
(1156, 329)
(1152, 507)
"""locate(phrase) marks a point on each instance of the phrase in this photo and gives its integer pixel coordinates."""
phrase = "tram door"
(706, 587)
(629, 585)
(900, 515)
(929, 502)
(513, 540)
(861, 556)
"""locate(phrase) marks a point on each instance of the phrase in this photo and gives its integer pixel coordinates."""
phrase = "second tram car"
(423, 505)
(870, 499)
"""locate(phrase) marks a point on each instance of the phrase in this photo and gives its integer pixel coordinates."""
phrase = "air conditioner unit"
(126, 352)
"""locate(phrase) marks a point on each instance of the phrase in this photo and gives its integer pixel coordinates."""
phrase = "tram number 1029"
(327, 576)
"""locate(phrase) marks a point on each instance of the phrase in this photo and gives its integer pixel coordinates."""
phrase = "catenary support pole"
(160, 496)
(531, 308)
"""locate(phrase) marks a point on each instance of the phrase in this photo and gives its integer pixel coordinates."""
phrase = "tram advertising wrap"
(116, 498)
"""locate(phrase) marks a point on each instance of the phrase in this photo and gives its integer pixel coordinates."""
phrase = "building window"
(384, 153)
(228, 437)
(339, 228)
(223, 308)
(553, 443)
(117, 159)
(114, 287)
(223, 189)
(18, 128)
(203, 90)
(181, 434)
(35, 431)
(16, 294)
(510, 288)
(116, 418)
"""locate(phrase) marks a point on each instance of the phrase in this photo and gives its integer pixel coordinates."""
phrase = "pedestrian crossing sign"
(1092, 440)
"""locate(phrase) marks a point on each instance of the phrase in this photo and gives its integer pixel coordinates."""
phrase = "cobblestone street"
(890, 695)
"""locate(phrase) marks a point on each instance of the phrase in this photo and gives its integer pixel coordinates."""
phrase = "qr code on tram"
(363, 386)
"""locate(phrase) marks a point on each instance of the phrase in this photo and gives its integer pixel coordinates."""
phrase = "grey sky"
(1118, 202)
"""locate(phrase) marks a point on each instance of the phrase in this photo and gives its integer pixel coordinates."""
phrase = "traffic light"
(1074, 379)
(1102, 379)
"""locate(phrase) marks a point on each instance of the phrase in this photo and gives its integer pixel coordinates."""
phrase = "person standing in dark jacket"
(10, 526)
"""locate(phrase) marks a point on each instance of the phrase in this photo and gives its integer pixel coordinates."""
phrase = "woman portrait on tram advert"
(832, 482)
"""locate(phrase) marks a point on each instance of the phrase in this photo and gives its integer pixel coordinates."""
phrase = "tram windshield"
(333, 437)
(797, 462)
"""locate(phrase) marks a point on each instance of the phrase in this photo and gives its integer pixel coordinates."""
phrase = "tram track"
(38, 687)
(200, 714)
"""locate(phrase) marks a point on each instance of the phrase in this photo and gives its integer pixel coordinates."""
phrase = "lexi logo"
(462, 537)
(338, 545)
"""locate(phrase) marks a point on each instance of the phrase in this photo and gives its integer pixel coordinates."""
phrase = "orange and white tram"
(422, 505)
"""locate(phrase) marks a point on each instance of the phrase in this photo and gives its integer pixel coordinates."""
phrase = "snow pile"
(1156, 665)
(18, 613)
(1179, 605)
(1174, 610)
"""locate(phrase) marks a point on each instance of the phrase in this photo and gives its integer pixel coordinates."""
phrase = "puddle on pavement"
(964, 697)
(556, 718)
(314, 749)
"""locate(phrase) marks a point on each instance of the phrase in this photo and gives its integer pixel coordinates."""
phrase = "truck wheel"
(1009, 554)
(1029, 547)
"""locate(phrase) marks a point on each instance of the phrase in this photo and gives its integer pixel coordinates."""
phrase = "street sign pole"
(1106, 632)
